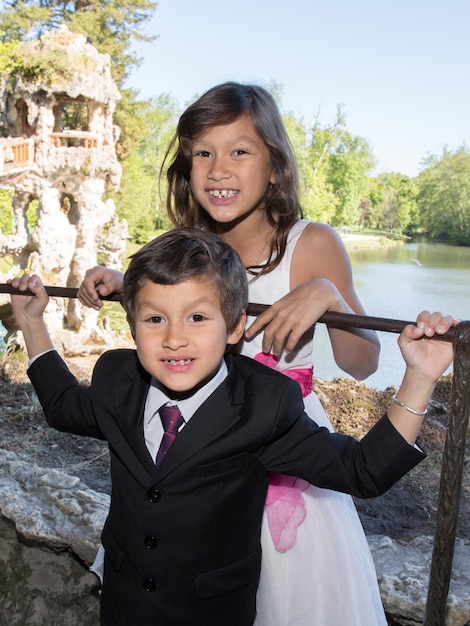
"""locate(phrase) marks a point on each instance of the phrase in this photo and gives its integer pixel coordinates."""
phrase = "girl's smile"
(223, 193)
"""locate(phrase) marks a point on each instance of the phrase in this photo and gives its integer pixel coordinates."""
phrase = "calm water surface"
(398, 283)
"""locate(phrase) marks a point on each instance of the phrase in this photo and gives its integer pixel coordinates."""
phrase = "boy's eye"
(197, 317)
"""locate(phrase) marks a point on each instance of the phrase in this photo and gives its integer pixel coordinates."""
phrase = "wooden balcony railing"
(74, 139)
(16, 153)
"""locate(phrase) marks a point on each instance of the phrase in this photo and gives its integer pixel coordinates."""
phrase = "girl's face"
(231, 169)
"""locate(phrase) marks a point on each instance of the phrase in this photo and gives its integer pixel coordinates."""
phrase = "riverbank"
(359, 240)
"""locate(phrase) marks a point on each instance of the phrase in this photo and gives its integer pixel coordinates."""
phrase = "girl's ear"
(237, 333)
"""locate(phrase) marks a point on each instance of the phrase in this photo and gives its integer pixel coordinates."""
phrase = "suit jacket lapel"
(129, 404)
(214, 417)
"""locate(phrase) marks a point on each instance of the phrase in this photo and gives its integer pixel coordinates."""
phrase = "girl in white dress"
(233, 172)
(316, 568)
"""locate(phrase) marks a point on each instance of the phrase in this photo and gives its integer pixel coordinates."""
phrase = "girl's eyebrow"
(241, 139)
(246, 138)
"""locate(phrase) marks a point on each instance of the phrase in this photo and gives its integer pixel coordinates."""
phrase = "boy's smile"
(181, 334)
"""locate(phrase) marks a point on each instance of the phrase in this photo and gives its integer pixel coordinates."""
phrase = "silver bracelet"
(407, 408)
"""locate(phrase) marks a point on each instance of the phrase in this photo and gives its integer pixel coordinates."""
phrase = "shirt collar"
(156, 397)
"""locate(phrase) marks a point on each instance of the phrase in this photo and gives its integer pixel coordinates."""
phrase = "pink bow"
(285, 509)
(285, 505)
(304, 376)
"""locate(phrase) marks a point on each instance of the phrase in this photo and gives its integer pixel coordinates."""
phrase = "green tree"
(111, 26)
(350, 164)
(393, 205)
(444, 196)
(6, 211)
(139, 200)
(334, 168)
(317, 198)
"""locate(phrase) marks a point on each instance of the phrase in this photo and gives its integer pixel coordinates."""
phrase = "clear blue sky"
(401, 68)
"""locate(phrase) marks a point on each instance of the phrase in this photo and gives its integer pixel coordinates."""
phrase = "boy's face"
(180, 333)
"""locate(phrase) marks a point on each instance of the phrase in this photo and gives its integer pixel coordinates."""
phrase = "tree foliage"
(350, 165)
(333, 168)
(139, 200)
(444, 196)
(111, 26)
(6, 211)
(393, 205)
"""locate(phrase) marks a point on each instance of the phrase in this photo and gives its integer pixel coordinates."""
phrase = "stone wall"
(49, 533)
(41, 586)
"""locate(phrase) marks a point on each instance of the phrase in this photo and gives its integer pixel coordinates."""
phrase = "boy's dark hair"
(189, 254)
(222, 105)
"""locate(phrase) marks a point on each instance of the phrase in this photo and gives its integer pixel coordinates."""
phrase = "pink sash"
(285, 505)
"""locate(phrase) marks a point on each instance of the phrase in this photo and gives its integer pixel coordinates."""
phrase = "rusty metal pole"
(451, 481)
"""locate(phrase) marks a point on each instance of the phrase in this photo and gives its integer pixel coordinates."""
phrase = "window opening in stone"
(32, 215)
(6, 211)
(23, 128)
(71, 122)
(69, 206)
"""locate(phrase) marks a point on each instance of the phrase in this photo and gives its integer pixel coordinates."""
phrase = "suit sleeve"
(67, 405)
(365, 468)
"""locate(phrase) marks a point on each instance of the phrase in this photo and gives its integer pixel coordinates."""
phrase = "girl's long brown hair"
(222, 105)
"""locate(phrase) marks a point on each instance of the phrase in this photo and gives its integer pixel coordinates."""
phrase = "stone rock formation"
(57, 155)
(50, 532)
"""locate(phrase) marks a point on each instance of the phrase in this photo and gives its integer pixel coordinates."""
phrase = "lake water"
(398, 283)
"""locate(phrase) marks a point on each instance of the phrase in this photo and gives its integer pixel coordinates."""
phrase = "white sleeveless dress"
(327, 577)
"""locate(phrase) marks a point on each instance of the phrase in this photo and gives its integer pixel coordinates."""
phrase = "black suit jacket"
(182, 541)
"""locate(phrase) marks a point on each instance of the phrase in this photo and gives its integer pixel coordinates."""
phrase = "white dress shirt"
(156, 398)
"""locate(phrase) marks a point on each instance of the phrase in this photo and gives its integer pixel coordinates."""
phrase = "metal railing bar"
(344, 321)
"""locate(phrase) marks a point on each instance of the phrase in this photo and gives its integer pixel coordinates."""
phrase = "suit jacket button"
(153, 495)
(151, 542)
(149, 584)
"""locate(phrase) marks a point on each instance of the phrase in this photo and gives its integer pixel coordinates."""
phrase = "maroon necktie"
(172, 420)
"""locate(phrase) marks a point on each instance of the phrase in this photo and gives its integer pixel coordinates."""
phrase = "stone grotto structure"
(58, 157)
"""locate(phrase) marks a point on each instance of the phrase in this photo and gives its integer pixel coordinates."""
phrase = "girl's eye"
(240, 152)
(202, 153)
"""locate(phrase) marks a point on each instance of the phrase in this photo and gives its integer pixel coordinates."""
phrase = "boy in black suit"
(182, 536)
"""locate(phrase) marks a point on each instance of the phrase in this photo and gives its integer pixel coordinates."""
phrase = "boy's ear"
(237, 333)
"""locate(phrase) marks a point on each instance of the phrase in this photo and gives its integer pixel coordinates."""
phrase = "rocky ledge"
(50, 531)
(54, 500)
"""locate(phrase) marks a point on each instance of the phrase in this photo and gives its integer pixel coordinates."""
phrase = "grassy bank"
(357, 240)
